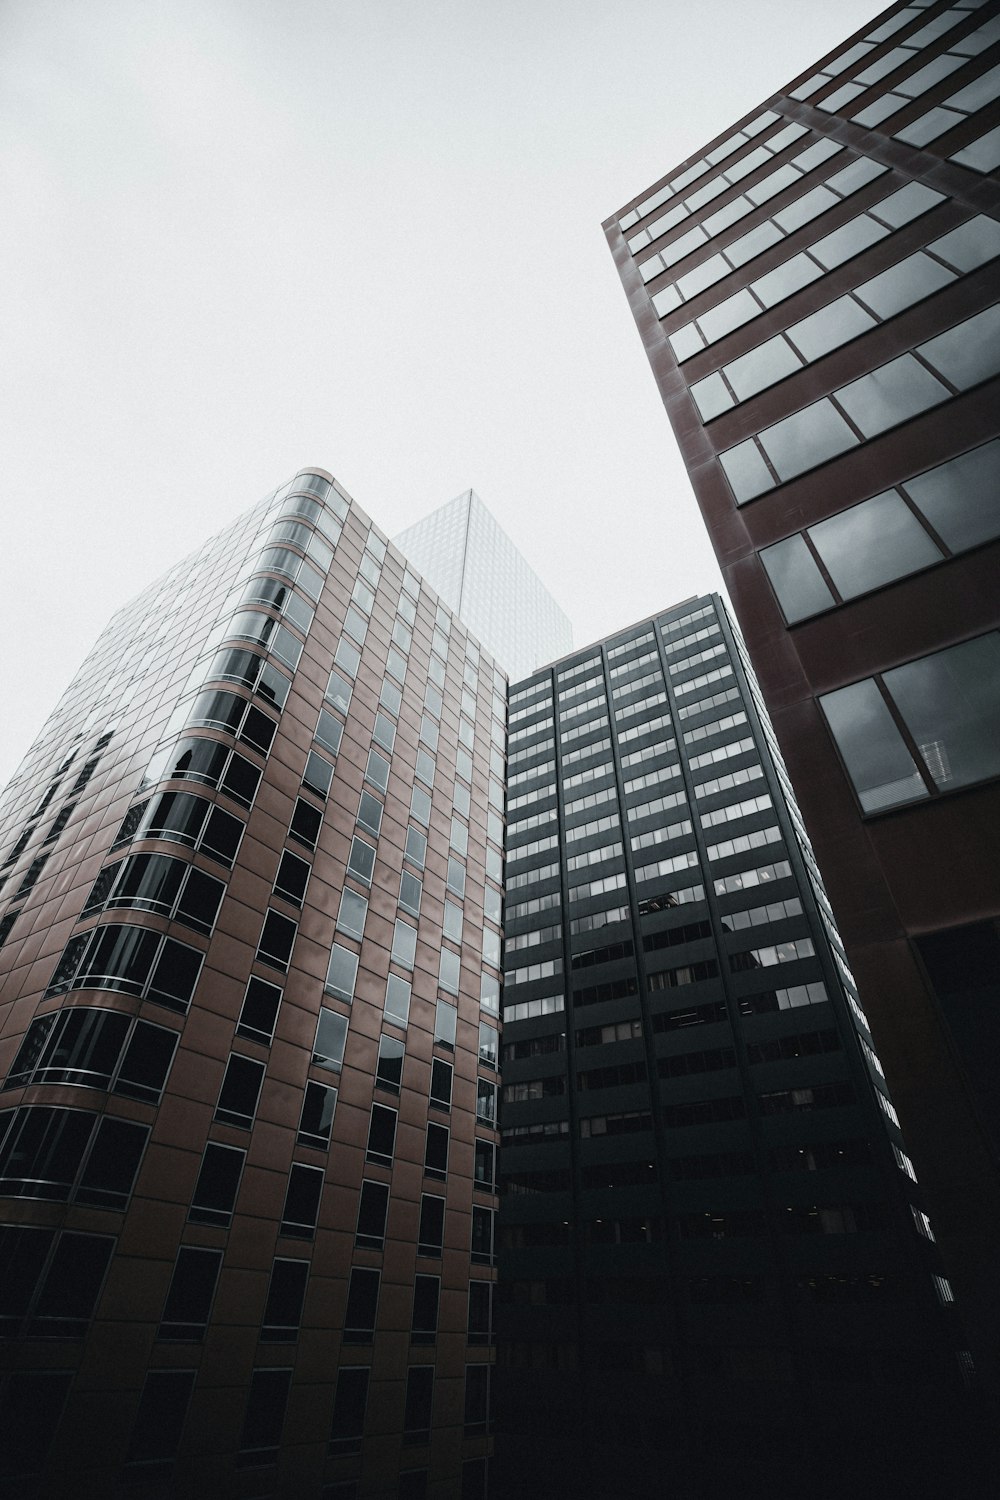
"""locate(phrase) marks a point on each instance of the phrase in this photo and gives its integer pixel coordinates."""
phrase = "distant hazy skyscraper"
(481, 575)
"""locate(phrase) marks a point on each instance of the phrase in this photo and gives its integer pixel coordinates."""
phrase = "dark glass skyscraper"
(715, 1258)
(250, 904)
(817, 293)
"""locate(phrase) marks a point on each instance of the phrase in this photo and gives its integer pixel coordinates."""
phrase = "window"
(352, 914)
(486, 1101)
(480, 1329)
(417, 1408)
(373, 1207)
(449, 966)
(476, 1399)
(485, 1166)
(292, 878)
(377, 771)
(381, 1135)
(420, 805)
(361, 863)
(362, 1306)
(389, 1069)
(430, 1238)
(318, 775)
(482, 1235)
(453, 921)
(397, 1000)
(342, 973)
(189, 1299)
(370, 813)
(260, 1011)
(416, 847)
(331, 1035)
(426, 1300)
(218, 1180)
(349, 1405)
(50, 1285)
(338, 693)
(441, 1078)
(96, 1049)
(436, 1151)
(156, 1431)
(132, 960)
(305, 1187)
(445, 1024)
(306, 824)
(157, 883)
(276, 939)
(70, 1155)
(240, 1091)
(348, 658)
(456, 876)
(329, 732)
(947, 703)
(265, 1417)
(488, 1044)
(285, 1295)
(319, 1105)
(410, 891)
(404, 944)
(384, 733)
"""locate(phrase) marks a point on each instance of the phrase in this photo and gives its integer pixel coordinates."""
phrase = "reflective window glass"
(872, 543)
(951, 705)
(830, 327)
(881, 768)
(961, 499)
(807, 438)
(887, 396)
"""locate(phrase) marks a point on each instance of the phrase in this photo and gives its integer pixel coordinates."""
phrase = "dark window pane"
(241, 780)
(156, 1431)
(349, 1411)
(199, 905)
(306, 824)
(370, 812)
(218, 1180)
(436, 1151)
(482, 1235)
(113, 1162)
(431, 1235)
(476, 1398)
(419, 1399)
(83, 1047)
(362, 1306)
(381, 1134)
(41, 1152)
(30, 1410)
(285, 1295)
(146, 1063)
(175, 975)
(441, 1076)
(305, 1186)
(389, 1072)
(260, 1010)
(265, 1414)
(189, 1299)
(318, 1107)
(23, 1253)
(292, 878)
(372, 1210)
(361, 863)
(240, 1091)
(222, 835)
(72, 1283)
(485, 1170)
(480, 1311)
(276, 939)
(426, 1300)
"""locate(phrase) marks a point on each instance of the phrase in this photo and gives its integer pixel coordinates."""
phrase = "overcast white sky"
(239, 236)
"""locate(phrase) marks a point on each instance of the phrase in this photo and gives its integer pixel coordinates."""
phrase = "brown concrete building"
(817, 294)
(250, 905)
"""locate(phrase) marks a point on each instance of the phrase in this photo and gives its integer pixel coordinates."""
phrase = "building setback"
(465, 554)
(715, 1261)
(817, 294)
(250, 903)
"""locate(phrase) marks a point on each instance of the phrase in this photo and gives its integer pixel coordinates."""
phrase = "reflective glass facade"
(250, 903)
(474, 565)
(817, 293)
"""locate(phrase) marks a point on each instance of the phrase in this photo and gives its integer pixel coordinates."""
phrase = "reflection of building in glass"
(817, 295)
(712, 1242)
(480, 574)
(250, 903)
